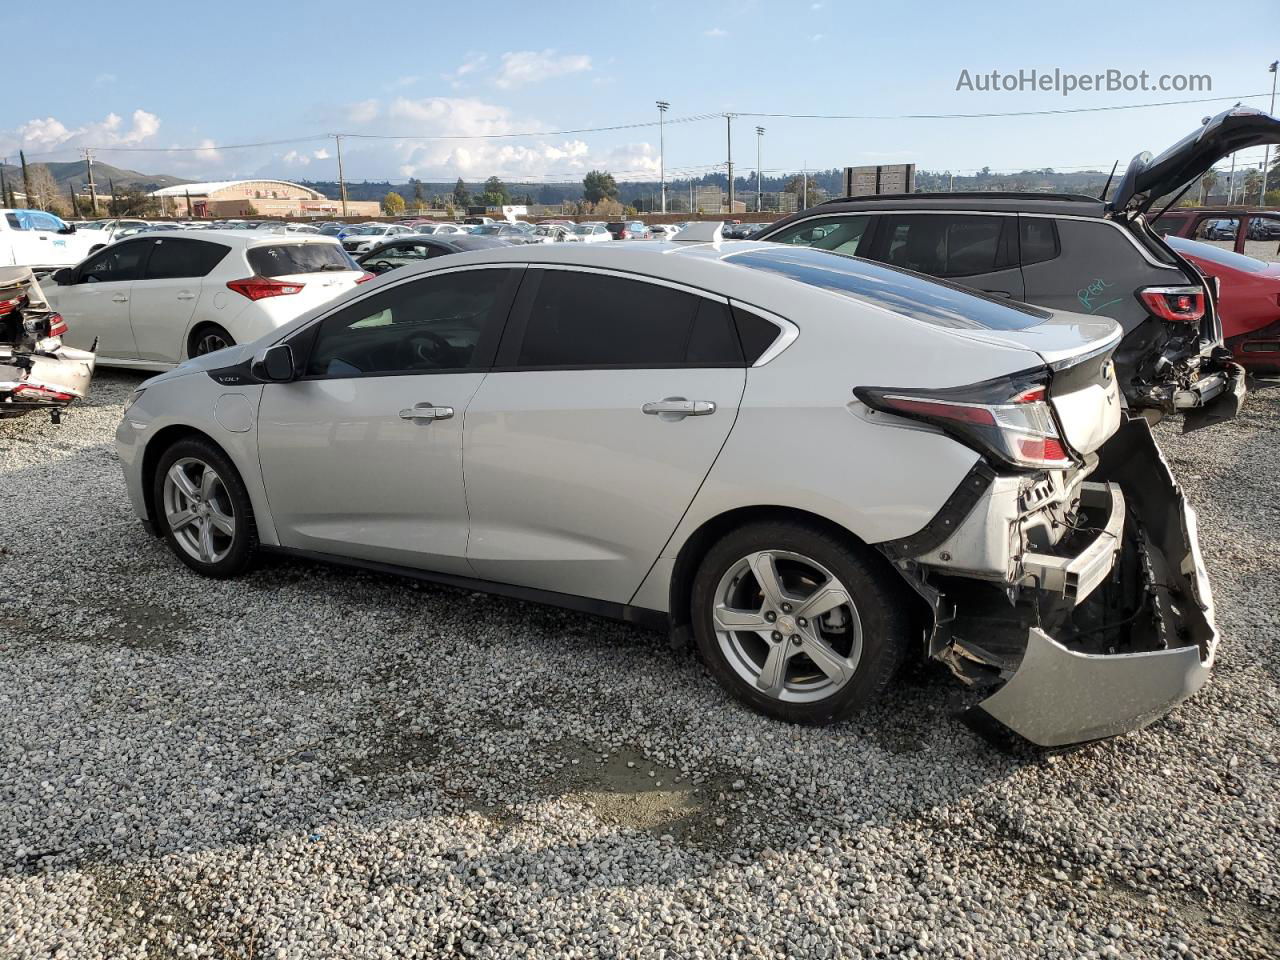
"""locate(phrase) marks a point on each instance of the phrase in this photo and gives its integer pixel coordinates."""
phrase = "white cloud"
(321, 154)
(366, 111)
(472, 63)
(531, 66)
(817, 37)
(49, 134)
(401, 82)
(716, 32)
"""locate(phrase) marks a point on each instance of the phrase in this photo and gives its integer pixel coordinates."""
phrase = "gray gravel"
(312, 762)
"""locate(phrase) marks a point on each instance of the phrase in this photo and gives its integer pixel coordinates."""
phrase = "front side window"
(434, 324)
(942, 245)
(175, 259)
(837, 234)
(116, 263)
(591, 320)
(46, 221)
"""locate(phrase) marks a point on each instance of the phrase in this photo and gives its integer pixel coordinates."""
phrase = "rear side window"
(593, 320)
(448, 321)
(1038, 238)
(119, 262)
(931, 301)
(943, 245)
(755, 333)
(286, 259)
(839, 234)
(173, 259)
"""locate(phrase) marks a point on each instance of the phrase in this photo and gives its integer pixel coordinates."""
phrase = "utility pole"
(663, 107)
(759, 174)
(1231, 180)
(4, 187)
(1266, 153)
(93, 191)
(728, 125)
(342, 183)
(804, 182)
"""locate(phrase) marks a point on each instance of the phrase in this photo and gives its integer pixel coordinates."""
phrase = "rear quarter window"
(901, 291)
(287, 259)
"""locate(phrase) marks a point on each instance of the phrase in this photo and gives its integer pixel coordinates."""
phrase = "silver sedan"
(817, 466)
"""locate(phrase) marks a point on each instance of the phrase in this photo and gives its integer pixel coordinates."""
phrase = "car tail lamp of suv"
(259, 288)
(1176, 304)
(1008, 419)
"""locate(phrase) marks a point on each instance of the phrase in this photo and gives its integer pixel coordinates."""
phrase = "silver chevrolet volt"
(817, 466)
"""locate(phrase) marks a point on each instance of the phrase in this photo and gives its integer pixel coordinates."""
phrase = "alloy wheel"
(198, 509)
(787, 626)
(209, 342)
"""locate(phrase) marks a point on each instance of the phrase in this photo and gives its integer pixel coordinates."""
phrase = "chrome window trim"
(1145, 254)
(789, 333)
(628, 275)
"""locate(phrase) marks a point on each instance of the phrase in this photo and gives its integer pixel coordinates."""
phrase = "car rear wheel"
(208, 338)
(797, 622)
(203, 509)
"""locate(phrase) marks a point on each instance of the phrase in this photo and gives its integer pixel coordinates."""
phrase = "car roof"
(244, 238)
(1063, 203)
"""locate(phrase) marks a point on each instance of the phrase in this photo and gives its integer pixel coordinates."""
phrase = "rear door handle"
(184, 295)
(426, 411)
(999, 293)
(677, 408)
(119, 298)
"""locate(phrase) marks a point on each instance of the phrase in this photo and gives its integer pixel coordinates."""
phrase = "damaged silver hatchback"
(37, 371)
(816, 464)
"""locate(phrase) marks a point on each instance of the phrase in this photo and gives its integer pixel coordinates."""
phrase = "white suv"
(153, 300)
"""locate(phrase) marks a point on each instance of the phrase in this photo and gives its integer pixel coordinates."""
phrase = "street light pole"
(759, 182)
(1266, 153)
(663, 106)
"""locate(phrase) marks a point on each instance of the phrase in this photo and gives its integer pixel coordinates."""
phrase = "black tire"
(232, 499)
(204, 336)
(881, 610)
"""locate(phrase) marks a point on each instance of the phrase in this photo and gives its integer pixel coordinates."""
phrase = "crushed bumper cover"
(1058, 695)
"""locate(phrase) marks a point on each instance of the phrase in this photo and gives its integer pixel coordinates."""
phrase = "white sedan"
(153, 300)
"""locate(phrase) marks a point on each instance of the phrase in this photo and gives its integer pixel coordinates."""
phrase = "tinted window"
(592, 320)
(15, 222)
(115, 263)
(755, 333)
(946, 246)
(436, 323)
(840, 234)
(172, 259)
(932, 301)
(1038, 238)
(286, 259)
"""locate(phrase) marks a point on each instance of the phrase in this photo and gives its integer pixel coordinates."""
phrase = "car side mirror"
(64, 277)
(69, 228)
(274, 365)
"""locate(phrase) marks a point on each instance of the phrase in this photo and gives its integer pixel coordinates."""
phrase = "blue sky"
(180, 74)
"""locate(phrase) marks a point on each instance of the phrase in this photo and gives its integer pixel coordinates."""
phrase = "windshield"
(1225, 258)
(902, 291)
(287, 259)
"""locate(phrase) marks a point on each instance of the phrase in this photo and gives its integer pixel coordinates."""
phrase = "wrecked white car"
(37, 371)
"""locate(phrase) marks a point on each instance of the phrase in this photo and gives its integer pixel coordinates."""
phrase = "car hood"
(1148, 178)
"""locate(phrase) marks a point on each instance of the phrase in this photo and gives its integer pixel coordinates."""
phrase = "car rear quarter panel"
(802, 441)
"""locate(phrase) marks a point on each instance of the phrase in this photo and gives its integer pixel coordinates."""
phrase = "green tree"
(1207, 183)
(419, 201)
(393, 204)
(461, 195)
(495, 187)
(599, 185)
(796, 185)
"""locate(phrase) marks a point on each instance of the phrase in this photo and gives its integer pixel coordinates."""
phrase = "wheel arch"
(165, 438)
(696, 545)
(196, 328)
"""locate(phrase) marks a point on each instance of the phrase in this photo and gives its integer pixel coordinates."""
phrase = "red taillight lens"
(366, 277)
(31, 391)
(259, 288)
(1008, 418)
(1176, 304)
(57, 326)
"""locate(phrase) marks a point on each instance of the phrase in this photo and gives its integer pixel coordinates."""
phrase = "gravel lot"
(312, 762)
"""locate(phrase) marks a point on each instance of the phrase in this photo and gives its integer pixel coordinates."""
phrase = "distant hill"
(73, 173)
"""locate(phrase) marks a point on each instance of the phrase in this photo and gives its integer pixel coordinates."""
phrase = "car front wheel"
(203, 509)
(798, 622)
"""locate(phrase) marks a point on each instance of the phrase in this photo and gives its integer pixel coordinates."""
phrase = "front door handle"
(426, 411)
(119, 298)
(677, 408)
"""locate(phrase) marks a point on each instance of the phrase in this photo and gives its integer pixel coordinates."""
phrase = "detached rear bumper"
(1067, 691)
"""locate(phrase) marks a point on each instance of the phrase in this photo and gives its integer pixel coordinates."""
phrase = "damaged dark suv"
(1075, 253)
